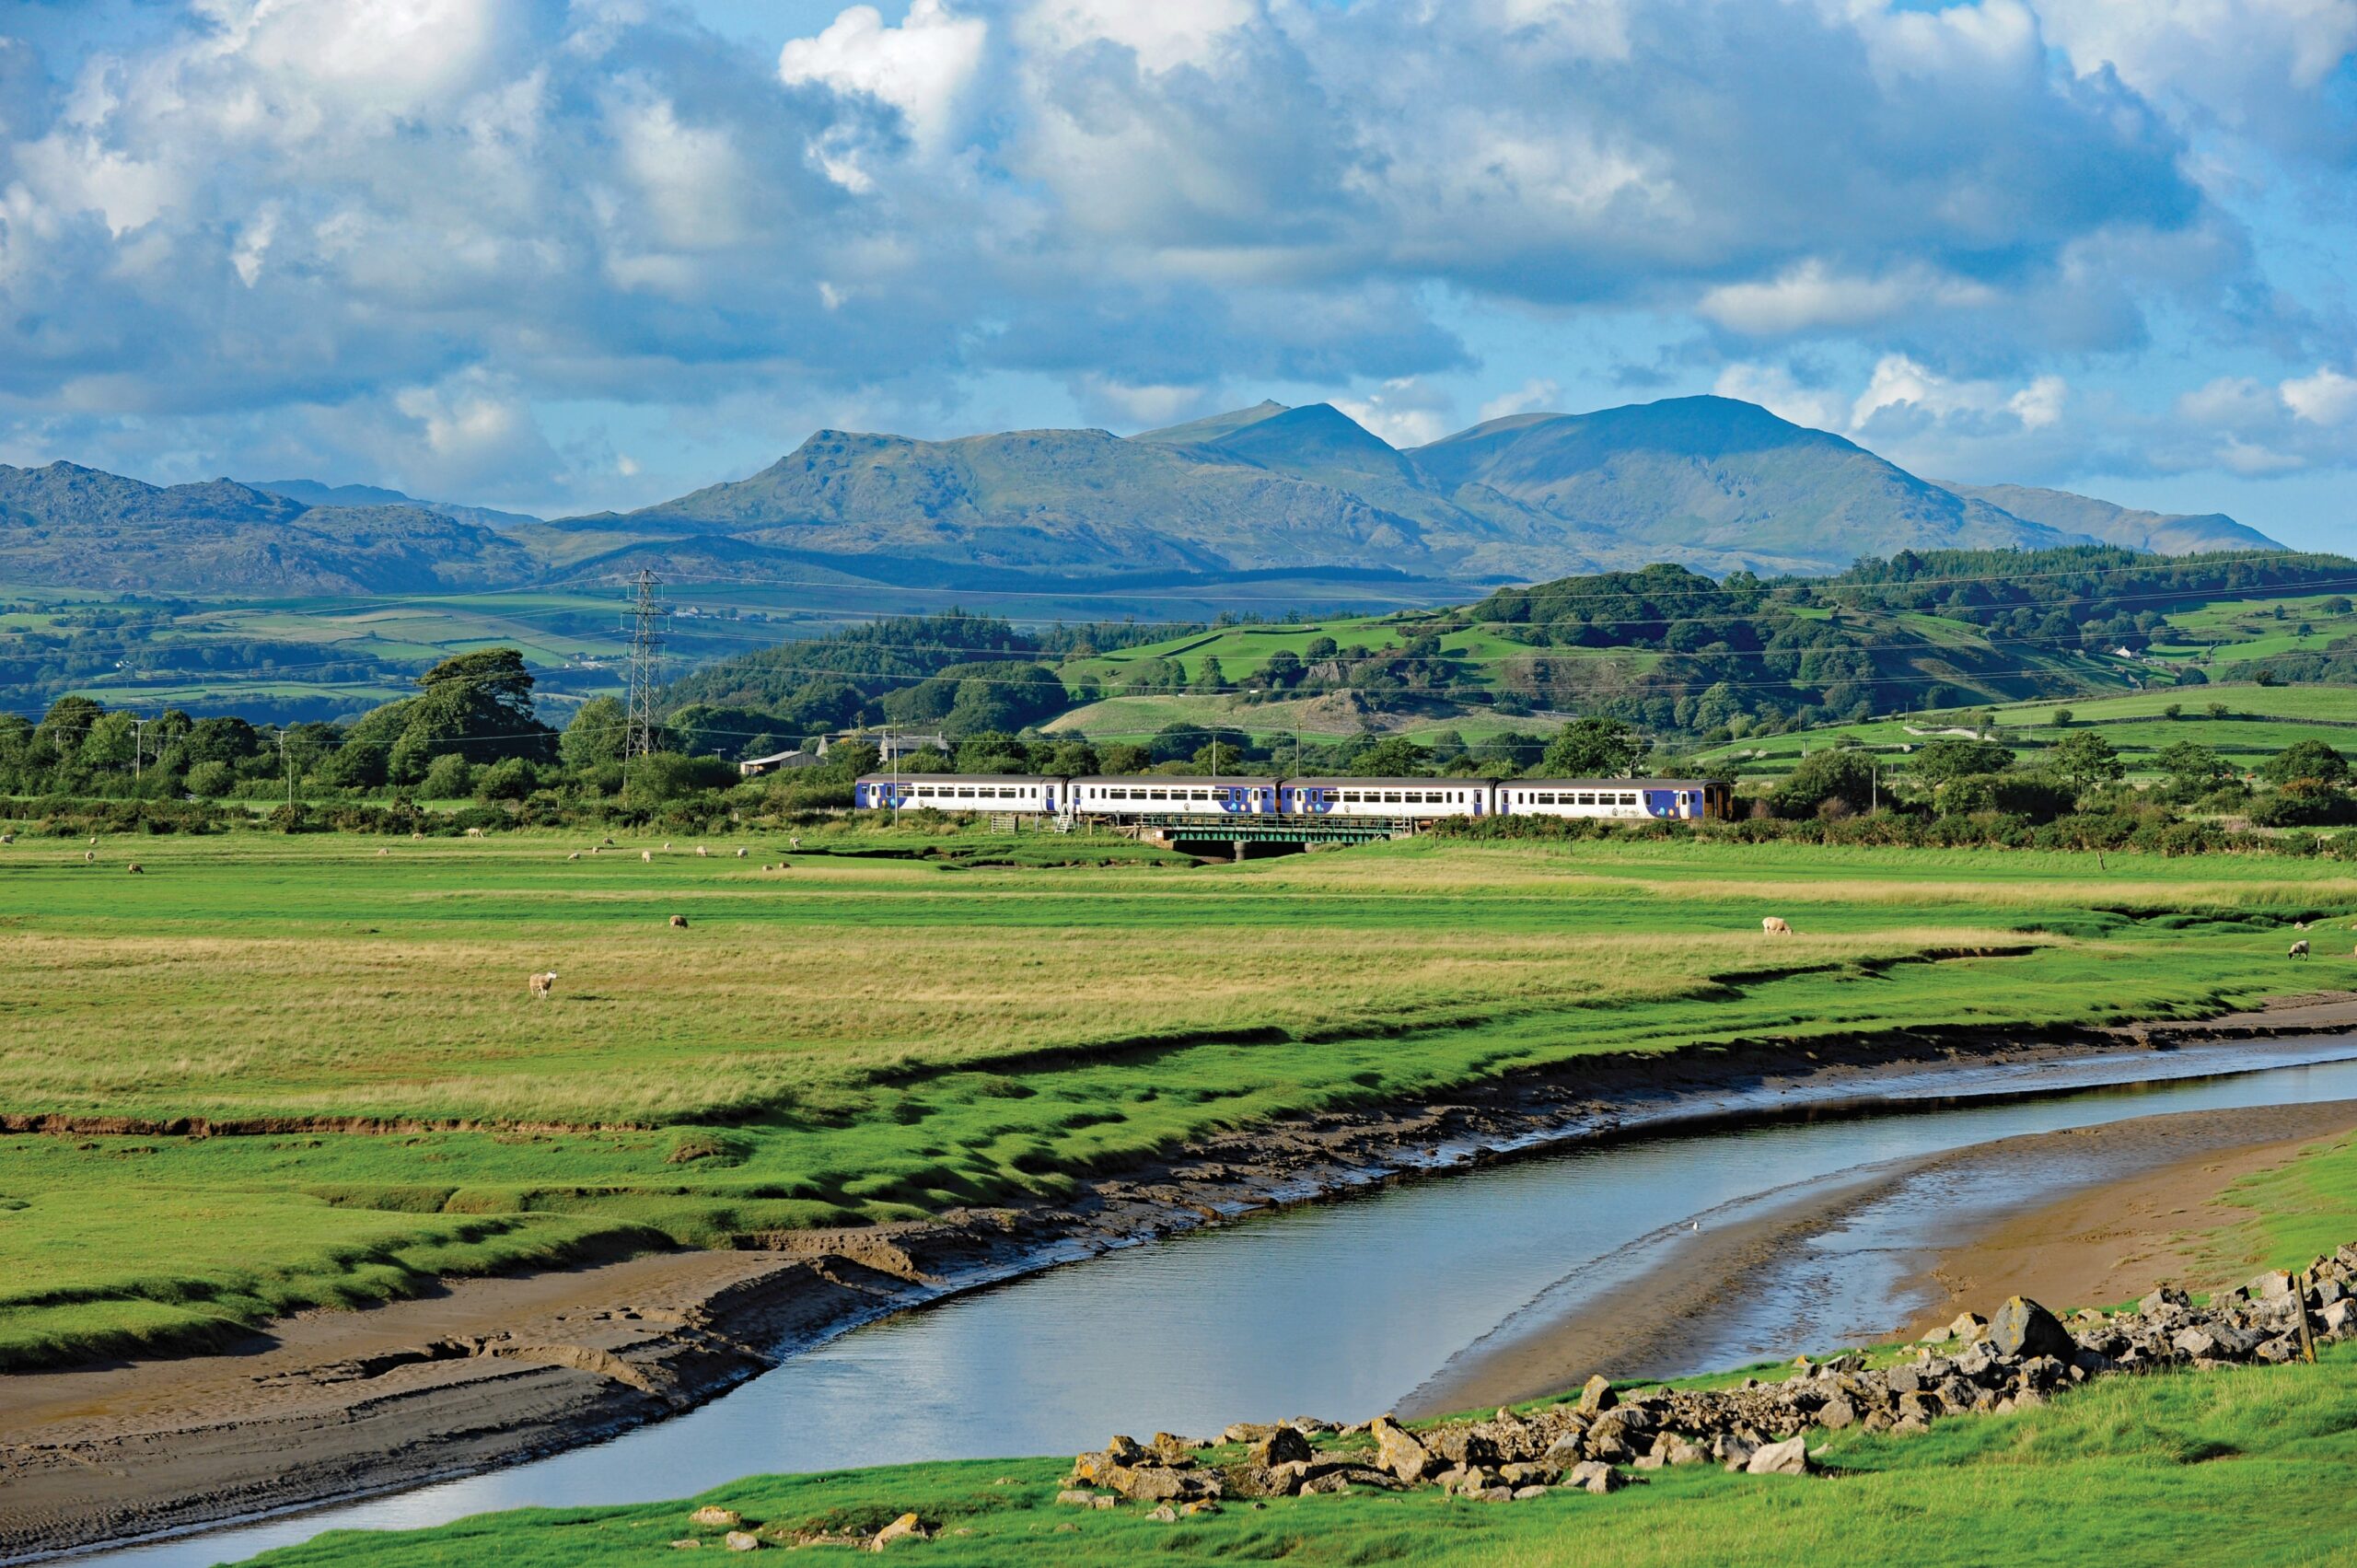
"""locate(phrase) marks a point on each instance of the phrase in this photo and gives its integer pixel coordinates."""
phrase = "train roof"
(1191, 780)
(1341, 780)
(909, 778)
(1615, 784)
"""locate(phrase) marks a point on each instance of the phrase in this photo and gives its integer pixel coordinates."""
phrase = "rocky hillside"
(2168, 533)
(65, 526)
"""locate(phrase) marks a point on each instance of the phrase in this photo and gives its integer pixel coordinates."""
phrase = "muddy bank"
(2069, 1246)
(335, 1405)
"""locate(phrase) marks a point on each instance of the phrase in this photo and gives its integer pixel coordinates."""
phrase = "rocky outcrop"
(2012, 1360)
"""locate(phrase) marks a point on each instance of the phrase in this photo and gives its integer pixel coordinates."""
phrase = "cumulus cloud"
(1535, 396)
(254, 206)
(1405, 411)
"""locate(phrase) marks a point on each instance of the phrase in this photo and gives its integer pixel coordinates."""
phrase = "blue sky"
(564, 255)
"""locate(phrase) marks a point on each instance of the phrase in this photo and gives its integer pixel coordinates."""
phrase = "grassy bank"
(861, 1037)
(2247, 1466)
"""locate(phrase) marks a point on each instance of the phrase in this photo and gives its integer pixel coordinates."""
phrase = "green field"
(2261, 721)
(2256, 628)
(2249, 1465)
(878, 1033)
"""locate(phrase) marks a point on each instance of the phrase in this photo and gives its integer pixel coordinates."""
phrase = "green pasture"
(2260, 722)
(901, 1021)
(2254, 628)
(1275, 724)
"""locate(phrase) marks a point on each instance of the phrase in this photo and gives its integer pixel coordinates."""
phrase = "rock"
(1651, 1461)
(1836, 1413)
(1939, 1336)
(1566, 1448)
(1200, 1505)
(1904, 1378)
(1968, 1327)
(2160, 1300)
(1398, 1450)
(1788, 1458)
(1597, 1395)
(741, 1541)
(1682, 1452)
(2023, 1327)
(1283, 1446)
(1176, 1448)
(1594, 1476)
(2273, 1282)
(711, 1516)
(1073, 1497)
(1734, 1452)
(686, 1543)
(2277, 1350)
(1259, 1481)
(1160, 1484)
(2341, 1318)
(1165, 1514)
(1466, 1446)
(906, 1528)
(1248, 1431)
(1525, 1493)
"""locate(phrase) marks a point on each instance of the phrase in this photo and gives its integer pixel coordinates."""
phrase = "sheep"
(384, 852)
(474, 832)
(2299, 925)
(701, 852)
(792, 842)
(741, 853)
(1774, 926)
(574, 855)
(647, 855)
(609, 844)
(135, 869)
(90, 857)
(7, 838)
(678, 923)
(2299, 950)
(542, 985)
(667, 843)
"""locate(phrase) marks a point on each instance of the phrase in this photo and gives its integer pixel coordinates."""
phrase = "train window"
(1160, 794)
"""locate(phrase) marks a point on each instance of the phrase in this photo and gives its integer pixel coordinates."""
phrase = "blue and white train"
(1162, 796)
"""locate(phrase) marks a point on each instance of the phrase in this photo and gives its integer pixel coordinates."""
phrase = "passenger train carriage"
(1152, 796)
(959, 792)
(1393, 800)
(1411, 800)
(1677, 800)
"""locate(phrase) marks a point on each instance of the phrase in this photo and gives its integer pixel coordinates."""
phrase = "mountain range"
(1302, 494)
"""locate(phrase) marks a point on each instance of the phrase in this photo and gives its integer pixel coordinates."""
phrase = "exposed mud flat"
(329, 1405)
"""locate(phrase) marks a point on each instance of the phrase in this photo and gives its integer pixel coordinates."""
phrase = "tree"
(355, 764)
(1592, 749)
(1842, 781)
(1124, 757)
(598, 733)
(2174, 711)
(449, 777)
(2216, 710)
(2310, 759)
(1938, 761)
(1067, 760)
(1394, 756)
(1209, 676)
(2062, 718)
(208, 781)
(2084, 760)
(510, 778)
(1319, 648)
(2192, 764)
(1283, 671)
(992, 752)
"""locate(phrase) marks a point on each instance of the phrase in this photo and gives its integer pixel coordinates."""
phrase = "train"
(1161, 797)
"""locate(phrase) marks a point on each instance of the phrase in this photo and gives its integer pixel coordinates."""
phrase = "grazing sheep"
(7, 838)
(474, 832)
(2299, 950)
(792, 842)
(667, 843)
(740, 855)
(384, 852)
(137, 869)
(2299, 925)
(94, 840)
(574, 855)
(701, 852)
(597, 849)
(678, 923)
(542, 985)
(1774, 926)
(647, 855)
(90, 856)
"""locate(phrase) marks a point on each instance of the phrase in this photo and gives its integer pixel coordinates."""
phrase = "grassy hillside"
(759, 1070)
(2259, 722)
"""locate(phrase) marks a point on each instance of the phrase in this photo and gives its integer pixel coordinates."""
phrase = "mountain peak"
(1196, 432)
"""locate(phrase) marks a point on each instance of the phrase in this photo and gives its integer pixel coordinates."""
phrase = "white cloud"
(1533, 396)
(2326, 397)
(1774, 388)
(2259, 68)
(1900, 386)
(1405, 411)
(920, 67)
(1812, 296)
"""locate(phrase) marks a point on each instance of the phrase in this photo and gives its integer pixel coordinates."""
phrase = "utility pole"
(138, 744)
(283, 767)
(646, 656)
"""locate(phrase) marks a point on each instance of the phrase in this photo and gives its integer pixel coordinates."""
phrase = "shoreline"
(329, 1406)
(2160, 1172)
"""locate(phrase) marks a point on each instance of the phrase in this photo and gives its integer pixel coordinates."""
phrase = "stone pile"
(2013, 1361)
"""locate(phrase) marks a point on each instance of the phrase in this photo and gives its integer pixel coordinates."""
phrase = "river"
(1347, 1308)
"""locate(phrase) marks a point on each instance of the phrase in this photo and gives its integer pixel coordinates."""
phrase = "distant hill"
(1262, 508)
(65, 526)
(2169, 534)
(311, 493)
